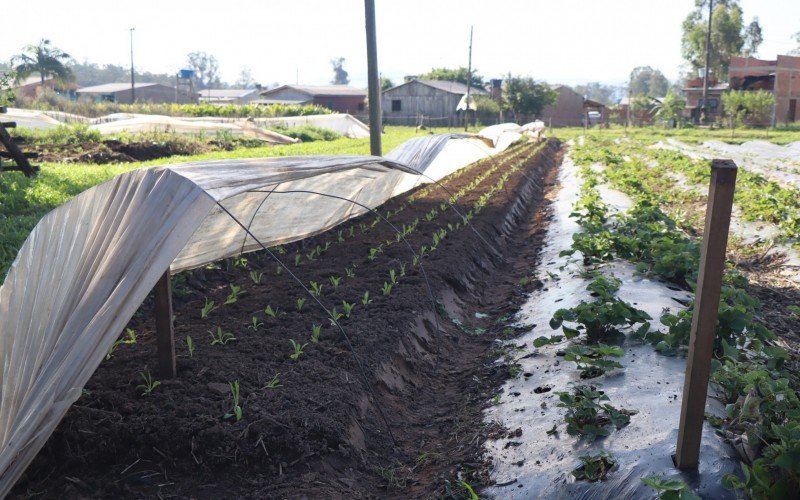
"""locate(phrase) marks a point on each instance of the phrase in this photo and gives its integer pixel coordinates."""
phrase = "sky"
(562, 41)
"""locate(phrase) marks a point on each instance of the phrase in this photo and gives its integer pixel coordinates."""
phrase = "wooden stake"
(706, 310)
(165, 336)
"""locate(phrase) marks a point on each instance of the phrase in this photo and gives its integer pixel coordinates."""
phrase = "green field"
(688, 135)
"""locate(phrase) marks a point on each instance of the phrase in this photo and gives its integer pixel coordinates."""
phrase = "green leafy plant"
(373, 252)
(297, 259)
(256, 276)
(278, 270)
(335, 280)
(149, 384)
(365, 300)
(234, 295)
(269, 311)
(350, 272)
(190, 345)
(236, 409)
(207, 308)
(316, 289)
(594, 467)
(591, 359)
(255, 324)
(316, 330)
(588, 414)
(387, 289)
(297, 350)
(393, 276)
(334, 316)
(274, 382)
(220, 337)
(348, 308)
(129, 338)
(670, 489)
(299, 303)
(402, 269)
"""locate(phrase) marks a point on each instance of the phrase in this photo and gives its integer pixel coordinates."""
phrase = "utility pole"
(708, 55)
(373, 77)
(469, 81)
(133, 85)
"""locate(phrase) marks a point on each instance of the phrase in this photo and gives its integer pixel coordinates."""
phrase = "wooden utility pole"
(374, 81)
(165, 336)
(708, 56)
(469, 81)
(706, 310)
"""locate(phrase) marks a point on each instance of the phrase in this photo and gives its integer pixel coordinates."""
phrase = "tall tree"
(729, 36)
(648, 81)
(523, 96)
(45, 59)
(386, 83)
(340, 76)
(671, 108)
(796, 37)
(206, 69)
(453, 75)
(245, 80)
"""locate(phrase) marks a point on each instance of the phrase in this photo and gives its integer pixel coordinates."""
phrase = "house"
(693, 91)
(435, 100)
(144, 92)
(340, 98)
(567, 111)
(229, 96)
(29, 86)
(780, 76)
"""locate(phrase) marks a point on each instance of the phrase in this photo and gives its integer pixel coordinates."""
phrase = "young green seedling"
(298, 350)
(234, 295)
(365, 300)
(299, 303)
(348, 308)
(274, 383)
(393, 276)
(373, 252)
(334, 316)
(351, 231)
(278, 269)
(255, 324)
(350, 272)
(256, 276)
(316, 289)
(207, 308)
(339, 237)
(269, 311)
(220, 337)
(402, 270)
(387, 289)
(236, 410)
(149, 383)
(297, 259)
(190, 345)
(335, 280)
(316, 330)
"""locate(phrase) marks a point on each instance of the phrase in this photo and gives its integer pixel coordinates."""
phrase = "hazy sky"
(561, 41)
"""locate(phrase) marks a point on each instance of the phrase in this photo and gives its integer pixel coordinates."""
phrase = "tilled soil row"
(393, 410)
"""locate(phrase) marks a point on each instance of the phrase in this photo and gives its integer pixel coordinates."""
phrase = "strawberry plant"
(594, 467)
(591, 360)
(588, 414)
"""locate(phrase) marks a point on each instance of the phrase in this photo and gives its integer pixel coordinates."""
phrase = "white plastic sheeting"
(30, 118)
(344, 124)
(87, 265)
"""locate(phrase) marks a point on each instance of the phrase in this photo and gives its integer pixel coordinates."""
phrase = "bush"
(307, 133)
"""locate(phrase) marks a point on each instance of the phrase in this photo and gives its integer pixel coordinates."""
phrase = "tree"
(206, 69)
(796, 37)
(743, 106)
(44, 59)
(729, 36)
(453, 75)
(340, 76)
(642, 108)
(6, 87)
(88, 74)
(671, 109)
(596, 91)
(523, 96)
(386, 83)
(245, 80)
(648, 81)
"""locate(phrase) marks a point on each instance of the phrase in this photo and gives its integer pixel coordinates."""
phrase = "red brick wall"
(342, 103)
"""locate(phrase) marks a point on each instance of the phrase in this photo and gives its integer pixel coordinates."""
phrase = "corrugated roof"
(219, 93)
(110, 88)
(320, 90)
(452, 87)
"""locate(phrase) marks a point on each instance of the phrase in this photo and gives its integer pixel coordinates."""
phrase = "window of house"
(396, 105)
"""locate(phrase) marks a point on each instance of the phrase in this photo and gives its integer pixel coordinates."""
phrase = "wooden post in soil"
(706, 309)
(165, 336)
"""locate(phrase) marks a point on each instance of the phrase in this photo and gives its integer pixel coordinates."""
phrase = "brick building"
(567, 111)
(780, 76)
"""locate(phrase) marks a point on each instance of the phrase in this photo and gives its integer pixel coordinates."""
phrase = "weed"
(220, 337)
(149, 384)
(236, 410)
(297, 350)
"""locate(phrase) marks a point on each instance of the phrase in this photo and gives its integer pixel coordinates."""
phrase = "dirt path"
(312, 427)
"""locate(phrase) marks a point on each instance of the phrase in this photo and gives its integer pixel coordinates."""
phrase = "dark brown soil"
(428, 371)
(114, 151)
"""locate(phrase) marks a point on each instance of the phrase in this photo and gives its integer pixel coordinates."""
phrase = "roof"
(225, 93)
(457, 88)
(718, 87)
(320, 90)
(110, 88)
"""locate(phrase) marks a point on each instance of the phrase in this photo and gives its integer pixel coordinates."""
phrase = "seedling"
(402, 270)
(325, 248)
(280, 250)
(393, 276)
(316, 289)
(348, 308)
(365, 300)
(269, 311)
(234, 295)
(220, 337)
(240, 262)
(297, 259)
(149, 383)
(586, 416)
(335, 280)
(130, 338)
(591, 359)
(255, 324)
(670, 489)
(207, 308)
(387, 289)
(351, 231)
(339, 237)
(274, 383)
(334, 316)
(594, 467)
(256, 276)
(299, 303)
(298, 350)
(373, 252)
(316, 330)
(236, 410)
(350, 272)
(278, 269)
(415, 261)
(190, 345)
